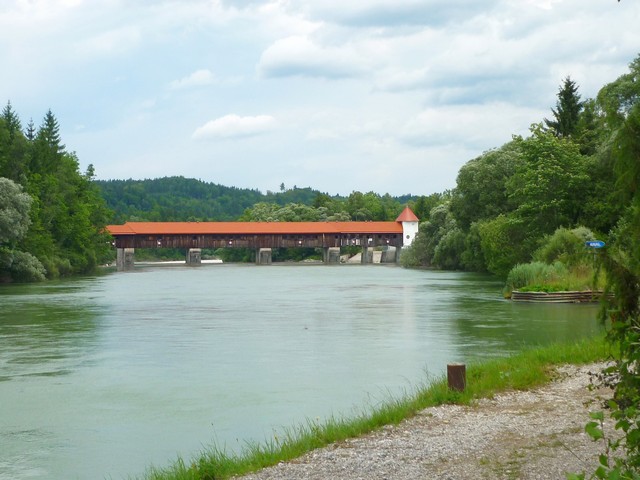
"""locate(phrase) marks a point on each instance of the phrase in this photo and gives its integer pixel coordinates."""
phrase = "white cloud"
(299, 55)
(231, 126)
(199, 78)
(485, 126)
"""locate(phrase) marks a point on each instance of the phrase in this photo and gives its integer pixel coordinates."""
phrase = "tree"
(14, 224)
(14, 212)
(567, 111)
(481, 187)
(504, 243)
(12, 121)
(424, 249)
(48, 149)
(549, 184)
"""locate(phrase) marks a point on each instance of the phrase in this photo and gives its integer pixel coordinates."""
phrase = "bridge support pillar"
(194, 256)
(263, 256)
(389, 255)
(367, 253)
(331, 255)
(125, 259)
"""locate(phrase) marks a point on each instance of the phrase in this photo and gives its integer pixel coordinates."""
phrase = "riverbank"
(533, 434)
(528, 431)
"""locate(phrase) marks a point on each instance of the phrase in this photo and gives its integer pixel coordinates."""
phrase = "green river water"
(102, 376)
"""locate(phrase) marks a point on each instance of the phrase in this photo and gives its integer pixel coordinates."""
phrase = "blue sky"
(390, 96)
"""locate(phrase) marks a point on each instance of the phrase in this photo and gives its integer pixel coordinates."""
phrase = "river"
(101, 377)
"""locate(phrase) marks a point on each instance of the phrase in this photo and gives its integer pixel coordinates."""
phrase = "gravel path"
(537, 434)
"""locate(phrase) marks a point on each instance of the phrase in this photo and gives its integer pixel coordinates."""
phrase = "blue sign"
(595, 243)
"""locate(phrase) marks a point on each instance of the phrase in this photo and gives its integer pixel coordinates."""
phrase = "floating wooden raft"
(557, 297)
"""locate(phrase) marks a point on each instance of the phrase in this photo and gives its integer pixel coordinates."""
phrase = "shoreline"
(531, 434)
(396, 438)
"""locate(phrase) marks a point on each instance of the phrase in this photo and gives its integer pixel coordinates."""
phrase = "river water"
(101, 377)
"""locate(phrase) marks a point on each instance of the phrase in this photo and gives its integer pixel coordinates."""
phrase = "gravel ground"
(537, 434)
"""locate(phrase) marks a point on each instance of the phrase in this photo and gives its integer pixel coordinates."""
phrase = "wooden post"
(457, 376)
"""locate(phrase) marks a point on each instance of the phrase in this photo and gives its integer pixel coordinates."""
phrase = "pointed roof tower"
(407, 215)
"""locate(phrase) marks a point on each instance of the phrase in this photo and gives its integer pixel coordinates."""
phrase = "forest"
(52, 216)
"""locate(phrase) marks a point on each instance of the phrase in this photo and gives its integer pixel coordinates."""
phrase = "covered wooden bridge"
(264, 236)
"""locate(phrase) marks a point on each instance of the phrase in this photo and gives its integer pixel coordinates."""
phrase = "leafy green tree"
(567, 112)
(481, 187)
(504, 243)
(424, 203)
(14, 212)
(424, 248)
(14, 224)
(566, 246)
(549, 184)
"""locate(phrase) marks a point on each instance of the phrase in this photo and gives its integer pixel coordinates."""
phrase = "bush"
(566, 246)
(534, 273)
(26, 268)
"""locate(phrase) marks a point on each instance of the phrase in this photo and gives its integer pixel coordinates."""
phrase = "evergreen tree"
(12, 146)
(567, 111)
(48, 148)
(12, 122)
(30, 133)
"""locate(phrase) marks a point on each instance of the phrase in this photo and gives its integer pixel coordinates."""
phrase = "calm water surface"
(103, 376)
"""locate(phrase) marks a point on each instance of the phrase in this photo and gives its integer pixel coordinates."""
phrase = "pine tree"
(48, 150)
(12, 122)
(30, 133)
(567, 112)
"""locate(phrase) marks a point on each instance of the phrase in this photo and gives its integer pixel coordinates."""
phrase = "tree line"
(510, 201)
(187, 199)
(52, 217)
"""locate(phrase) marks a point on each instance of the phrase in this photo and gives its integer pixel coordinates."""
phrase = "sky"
(389, 96)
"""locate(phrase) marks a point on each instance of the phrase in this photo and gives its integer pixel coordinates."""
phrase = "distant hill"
(188, 199)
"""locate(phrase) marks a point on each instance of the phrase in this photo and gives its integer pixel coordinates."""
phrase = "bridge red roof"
(255, 228)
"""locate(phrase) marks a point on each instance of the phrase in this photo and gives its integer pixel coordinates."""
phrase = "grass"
(542, 277)
(525, 370)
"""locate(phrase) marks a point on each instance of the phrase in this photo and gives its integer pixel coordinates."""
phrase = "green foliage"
(481, 191)
(566, 115)
(64, 230)
(620, 101)
(175, 199)
(504, 243)
(538, 275)
(548, 185)
(19, 266)
(424, 249)
(14, 211)
(566, 246)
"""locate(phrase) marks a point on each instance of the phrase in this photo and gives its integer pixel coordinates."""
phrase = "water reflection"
(43, 331)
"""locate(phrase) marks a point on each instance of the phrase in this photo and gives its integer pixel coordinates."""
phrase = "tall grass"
(556, 277)
(525, 370)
